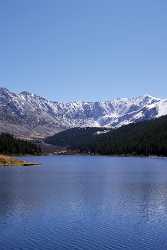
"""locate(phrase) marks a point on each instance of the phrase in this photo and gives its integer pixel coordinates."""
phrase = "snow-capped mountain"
(29, 115)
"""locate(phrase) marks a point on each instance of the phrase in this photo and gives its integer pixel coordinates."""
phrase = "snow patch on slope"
(162, 108)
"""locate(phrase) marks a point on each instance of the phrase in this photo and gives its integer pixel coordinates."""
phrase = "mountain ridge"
(29, 115)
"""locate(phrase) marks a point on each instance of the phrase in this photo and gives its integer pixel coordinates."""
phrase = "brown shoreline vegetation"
(6, 160)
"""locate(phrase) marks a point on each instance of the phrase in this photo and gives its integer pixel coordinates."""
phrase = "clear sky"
(84, 49)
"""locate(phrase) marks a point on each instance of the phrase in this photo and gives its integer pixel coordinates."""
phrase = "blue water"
(82, 202)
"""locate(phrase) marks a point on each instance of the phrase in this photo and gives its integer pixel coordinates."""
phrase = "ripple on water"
(84, 203)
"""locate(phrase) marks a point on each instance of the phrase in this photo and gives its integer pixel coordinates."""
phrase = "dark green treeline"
(10, 145)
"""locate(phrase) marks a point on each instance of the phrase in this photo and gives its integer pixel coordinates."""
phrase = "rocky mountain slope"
(29, 115)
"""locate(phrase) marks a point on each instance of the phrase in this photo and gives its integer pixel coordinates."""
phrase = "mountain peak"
(26, 93)
(4, 90)
(151, 97)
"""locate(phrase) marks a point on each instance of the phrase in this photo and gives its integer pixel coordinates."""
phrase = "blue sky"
(84, 49)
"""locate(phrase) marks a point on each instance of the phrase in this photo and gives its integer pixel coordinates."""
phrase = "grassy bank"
(12, 161)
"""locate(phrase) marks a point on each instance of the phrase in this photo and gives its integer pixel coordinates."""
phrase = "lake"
(84, 202)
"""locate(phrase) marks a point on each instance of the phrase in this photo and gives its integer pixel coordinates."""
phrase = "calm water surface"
(81, 202)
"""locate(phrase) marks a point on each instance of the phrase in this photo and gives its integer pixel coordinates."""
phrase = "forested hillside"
(74, 137)
(11, 145)
(144, 138)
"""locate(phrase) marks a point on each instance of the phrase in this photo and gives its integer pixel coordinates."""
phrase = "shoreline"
(91, 155)
(7, 161)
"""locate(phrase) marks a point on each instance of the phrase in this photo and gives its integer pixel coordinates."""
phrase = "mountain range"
(28, 115)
